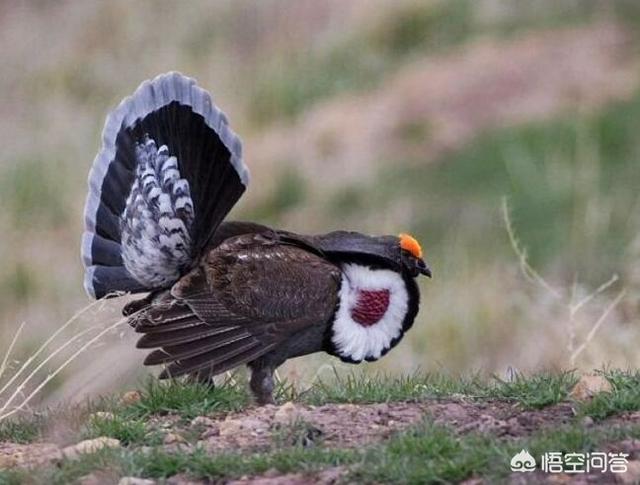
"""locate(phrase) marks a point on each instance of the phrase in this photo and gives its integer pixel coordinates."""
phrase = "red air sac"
(370, 307)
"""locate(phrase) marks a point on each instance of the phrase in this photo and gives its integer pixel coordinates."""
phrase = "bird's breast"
(370, 306)
(373, 304)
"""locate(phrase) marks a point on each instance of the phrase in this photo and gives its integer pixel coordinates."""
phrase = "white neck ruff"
(355, 341)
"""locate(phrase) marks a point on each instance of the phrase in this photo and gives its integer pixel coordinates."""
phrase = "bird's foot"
(261, 385)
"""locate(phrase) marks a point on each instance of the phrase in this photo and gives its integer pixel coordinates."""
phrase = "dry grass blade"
(597, 325)
(601, 289)
(3, 366)
(20, 388)
(527, 270)
(53, 336)
(532, 275)
(60, 368)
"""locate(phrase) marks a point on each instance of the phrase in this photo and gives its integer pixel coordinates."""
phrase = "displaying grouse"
(222, 294)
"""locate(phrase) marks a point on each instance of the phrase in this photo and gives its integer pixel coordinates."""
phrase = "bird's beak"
(423, 268)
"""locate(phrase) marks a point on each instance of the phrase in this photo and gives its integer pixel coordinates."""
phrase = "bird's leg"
(262, 383)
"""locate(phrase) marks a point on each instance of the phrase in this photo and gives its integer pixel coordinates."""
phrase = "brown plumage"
(245, 298)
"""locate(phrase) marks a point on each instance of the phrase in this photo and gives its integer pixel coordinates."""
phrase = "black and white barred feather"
(157, 219)
(169, 171)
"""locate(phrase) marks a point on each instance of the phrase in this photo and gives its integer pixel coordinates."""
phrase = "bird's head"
(411, 256)
(379, 296)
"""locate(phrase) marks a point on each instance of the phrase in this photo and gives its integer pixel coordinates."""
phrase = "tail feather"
(168, 172)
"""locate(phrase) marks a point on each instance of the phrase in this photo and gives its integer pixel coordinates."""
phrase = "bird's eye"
(411, 245)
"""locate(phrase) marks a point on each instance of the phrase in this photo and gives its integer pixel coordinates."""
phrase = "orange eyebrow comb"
(411, 244)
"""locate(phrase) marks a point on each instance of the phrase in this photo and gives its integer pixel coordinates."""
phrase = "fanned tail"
(168, 172)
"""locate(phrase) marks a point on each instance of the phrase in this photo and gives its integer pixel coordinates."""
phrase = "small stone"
(589, 385)
(288, 413)
(179, 448)
(102, 415)
(203, 421)
(135, 481)
(130, 397)
(230, 427)
(89, 446)
(183, 479)
(587, 421)
(7, 461)
(272, 473)
(233, 427)
(90, 479)
(210, 433)
(173, 438)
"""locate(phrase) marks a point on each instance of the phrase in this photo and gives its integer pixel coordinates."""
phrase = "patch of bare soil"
(27, 456)
(353, 425)
(324, 477)
(503, 419)
(335, 425)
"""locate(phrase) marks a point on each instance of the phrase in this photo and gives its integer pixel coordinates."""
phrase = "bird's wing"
(248, 295)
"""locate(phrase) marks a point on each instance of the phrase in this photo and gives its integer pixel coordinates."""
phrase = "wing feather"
(187, 350)
(182, 336)
(247, 296)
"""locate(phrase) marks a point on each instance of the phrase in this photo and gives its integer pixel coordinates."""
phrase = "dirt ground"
(351, 425)
(345, 426)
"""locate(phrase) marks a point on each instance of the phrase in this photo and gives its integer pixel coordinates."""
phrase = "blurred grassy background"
(375, 115)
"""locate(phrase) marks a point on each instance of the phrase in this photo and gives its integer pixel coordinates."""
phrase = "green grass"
(159, 464)
(625, 396)
(126, 429)
(24, 429)
(533, 391)
(186, 399)
(199, 464)
(430, 454)
(537, 391)
(358, 388)
(128, 422)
